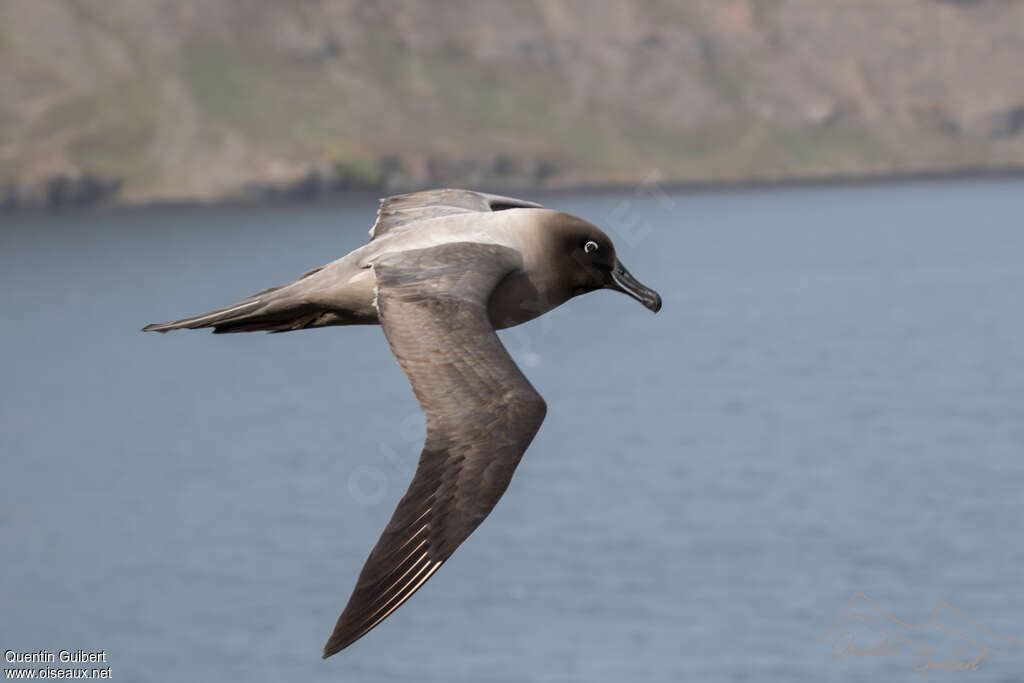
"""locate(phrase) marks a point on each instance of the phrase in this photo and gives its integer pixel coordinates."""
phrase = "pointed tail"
(267, 310)
(220, 317)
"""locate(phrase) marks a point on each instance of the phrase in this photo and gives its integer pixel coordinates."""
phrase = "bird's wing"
(481, 413)
(403, 209)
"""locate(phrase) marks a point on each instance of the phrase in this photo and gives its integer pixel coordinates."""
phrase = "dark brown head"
(587, 259)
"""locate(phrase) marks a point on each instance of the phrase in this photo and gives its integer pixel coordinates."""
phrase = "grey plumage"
(443, 270)
(481, 412)
(405, 209)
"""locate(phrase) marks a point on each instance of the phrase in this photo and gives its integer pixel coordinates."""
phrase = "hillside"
(142, 100)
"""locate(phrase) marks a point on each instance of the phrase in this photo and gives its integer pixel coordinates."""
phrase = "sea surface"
(828, 412)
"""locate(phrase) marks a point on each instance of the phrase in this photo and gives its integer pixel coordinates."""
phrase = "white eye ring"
(590, 246)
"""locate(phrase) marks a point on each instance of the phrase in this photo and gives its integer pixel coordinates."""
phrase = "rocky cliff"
(143, 100)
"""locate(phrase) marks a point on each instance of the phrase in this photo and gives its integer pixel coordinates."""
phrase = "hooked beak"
(622, 281)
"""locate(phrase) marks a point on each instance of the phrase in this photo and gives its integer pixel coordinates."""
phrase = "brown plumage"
(481, 412)
(442, 271)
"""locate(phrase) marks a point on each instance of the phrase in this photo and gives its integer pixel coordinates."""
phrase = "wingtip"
(335, 644)
(332, 648)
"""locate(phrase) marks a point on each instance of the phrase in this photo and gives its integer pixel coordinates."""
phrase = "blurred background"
(825, 420)
(143, 100)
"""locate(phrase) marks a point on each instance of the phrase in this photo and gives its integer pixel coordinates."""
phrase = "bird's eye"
(590, 247)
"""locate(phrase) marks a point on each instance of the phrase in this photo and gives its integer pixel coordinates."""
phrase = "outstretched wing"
(481, 413)
(402, 209)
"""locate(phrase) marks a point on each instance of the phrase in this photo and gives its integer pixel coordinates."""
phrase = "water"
(831, 401)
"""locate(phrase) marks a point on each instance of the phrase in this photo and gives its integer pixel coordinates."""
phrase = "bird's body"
(443, 270)
(343, 292)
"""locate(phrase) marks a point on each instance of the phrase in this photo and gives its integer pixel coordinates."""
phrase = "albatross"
(443, 270)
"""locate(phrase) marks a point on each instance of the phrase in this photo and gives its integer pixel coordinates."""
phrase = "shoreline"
(809, 181)
(645, 186)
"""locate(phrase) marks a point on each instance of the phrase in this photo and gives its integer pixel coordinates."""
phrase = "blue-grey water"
(830, 402)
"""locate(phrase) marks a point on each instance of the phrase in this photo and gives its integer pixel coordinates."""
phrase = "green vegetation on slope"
(191, 100)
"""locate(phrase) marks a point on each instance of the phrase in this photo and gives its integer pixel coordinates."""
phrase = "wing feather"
(401, 210)
(482, 414)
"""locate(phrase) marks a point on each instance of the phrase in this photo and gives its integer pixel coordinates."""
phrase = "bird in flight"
(442, 271)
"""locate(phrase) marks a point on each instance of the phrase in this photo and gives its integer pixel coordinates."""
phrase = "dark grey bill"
(624, 282)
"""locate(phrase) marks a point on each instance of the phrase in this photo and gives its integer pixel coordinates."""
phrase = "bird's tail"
(258, 312)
